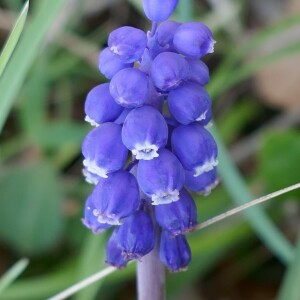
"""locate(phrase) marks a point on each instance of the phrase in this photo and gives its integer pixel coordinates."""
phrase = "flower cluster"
(155, 107)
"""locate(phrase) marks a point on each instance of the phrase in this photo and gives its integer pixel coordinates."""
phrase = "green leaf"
(25, 53)
(31, 217)
(10, 276)
(279, 159)
(13, 38)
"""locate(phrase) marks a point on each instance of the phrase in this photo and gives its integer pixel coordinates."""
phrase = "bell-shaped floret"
(116, 197)
(90, 220)
(144, 132)
(203, 183)
(128, 43)
(177, 217)
(100, 106)
(157, 11)
(195, 147)
(189, 103)
(169, 70)
(114, 255)
(161, 178)
(193, 40)
(111, 63)
(136, 235)
(174, 251)
(199, 71)
(103, 150)
(129, 88)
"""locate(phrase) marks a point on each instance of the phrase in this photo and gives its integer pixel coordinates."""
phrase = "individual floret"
(103, 150)
(195, 147)
(144, 132)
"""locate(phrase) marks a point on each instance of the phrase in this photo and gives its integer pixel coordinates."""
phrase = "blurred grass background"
(255, 76)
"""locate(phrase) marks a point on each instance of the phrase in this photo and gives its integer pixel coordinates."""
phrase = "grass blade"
(13, 38)
(24, 55)
(12, 274)
(290, 288)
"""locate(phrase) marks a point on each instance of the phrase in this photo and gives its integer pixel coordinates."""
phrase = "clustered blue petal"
(156, 109)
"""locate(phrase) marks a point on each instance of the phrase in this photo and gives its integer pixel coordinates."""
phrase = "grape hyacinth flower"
(144, 132)
(161, 178)
(177, 217)
(174, 251)
(103, 150)
(196, 100)
(111, 204)
(100, 106)
(195, 147)
(156, 109)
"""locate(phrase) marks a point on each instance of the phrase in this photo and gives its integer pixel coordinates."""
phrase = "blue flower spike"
(156, 107)
(103, 150)
(115, 198)
(128, 43)
(161, 178)
(174, 251)
(144, 132)
(195, 147)
(157, 11)
(177, 217)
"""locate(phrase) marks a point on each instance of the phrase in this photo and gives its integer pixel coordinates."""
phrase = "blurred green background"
(255, 87)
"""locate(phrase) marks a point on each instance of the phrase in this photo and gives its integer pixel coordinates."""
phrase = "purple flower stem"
(151, 274)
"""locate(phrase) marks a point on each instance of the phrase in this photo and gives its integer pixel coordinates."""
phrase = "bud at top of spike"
(158, 10)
